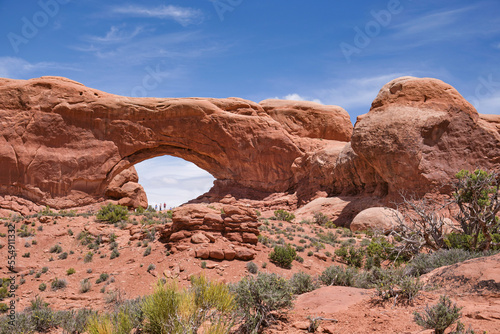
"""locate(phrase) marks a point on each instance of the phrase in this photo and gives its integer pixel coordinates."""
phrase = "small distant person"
(156, 207)
(164, 206)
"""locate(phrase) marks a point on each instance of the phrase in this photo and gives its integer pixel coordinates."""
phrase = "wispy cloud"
(116, 35)
(18, 68)
(488, 105)
(183, 15)
(357, 92)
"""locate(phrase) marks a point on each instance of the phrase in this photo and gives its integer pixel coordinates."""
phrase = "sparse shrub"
(102, 278)
(171, 310)
(63, 256)
(259, 296)
(42, 287)
(85, 285)
(302, 282)
(283, 215)
(351, 256)
(283, 256)
(299, 259)
(337, 275)
(203, 264)
(70, 232)
(112, 213)
(57, 284)
(310, 253)
(88, 257)
(440, 316)
(26, 254)
(252, 268)
(151, 267)
(264, 265)
(70, 271)
(45, 269)
(55, 249)
(3, 308)
(147, 251)
(320, 218)
(114, 254)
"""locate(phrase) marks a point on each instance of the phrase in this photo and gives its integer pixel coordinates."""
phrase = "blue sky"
(333, 52)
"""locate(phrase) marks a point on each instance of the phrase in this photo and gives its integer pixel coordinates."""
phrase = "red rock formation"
(420, 132)
(62, 143)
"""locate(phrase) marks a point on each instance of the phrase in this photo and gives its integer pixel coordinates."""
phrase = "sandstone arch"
(64, 143)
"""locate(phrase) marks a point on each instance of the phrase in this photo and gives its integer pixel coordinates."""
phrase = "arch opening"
(172, 181)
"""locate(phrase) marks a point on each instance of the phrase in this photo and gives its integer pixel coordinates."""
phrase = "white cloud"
(182, 15)
(116, 35)
(297, 97)
(172, 180)
(488, 105)
(18, 68)
(356, 93)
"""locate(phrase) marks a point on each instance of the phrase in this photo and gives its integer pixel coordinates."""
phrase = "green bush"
(88, 257)
(42, 287)
(171, 310)
(57, 284)
(302, 282)
(3, 308)
(147, 251)
(85, 285)
(283, 215)
(70, 271)
(114, 254)
(351, 256)
(283, 256)
(102, 278)
(259, 296)
(252, 268)
(112, 213)
(55, 249)
(337, 275)
(424, 263)
(321, 219)
(440, 316)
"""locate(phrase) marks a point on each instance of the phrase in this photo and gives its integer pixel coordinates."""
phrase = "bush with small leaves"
(112, 213)
(203, 264)
(258, 297)
(151, 267)
(85, 285)
(63, 256)
(147, 251)
(55, 249)
(283, 256)
(88, 257)
(42, 287)
(45, 269)
(440, 316)
(102, 278)
(252, 268)
(302, 282)
(283, 215)
(70, 271)
(57, 284)
(337, 275)
(114, 254)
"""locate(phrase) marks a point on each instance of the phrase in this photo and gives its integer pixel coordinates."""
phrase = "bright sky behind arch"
(332, 52)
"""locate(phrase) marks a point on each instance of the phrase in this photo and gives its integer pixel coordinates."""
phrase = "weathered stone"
(244, 254)
(199, 238)
(217, 254)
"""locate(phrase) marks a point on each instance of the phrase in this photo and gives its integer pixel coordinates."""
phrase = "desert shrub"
(151, 267)
(42, 318)
(320, 219)
(24, 231)
(88, 257)
(45, 269)
(112, 213)
(57, 284)
(147, 251)
(102, 278)
(203, 264)
(259, 296)
(85, 285)
(252, 268)
(70, 271)
(477, 196)
(42, 287)
(337, 275)
(424, 263)
(283, 215)
(352, 256)
(63, 256)
(302, 282)
(55, 249)
(3, 308)
(283, 256)
(394, 283)
(171, 310)
(440, 316)
(114, 254)
(329, 238)
(75, 321)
